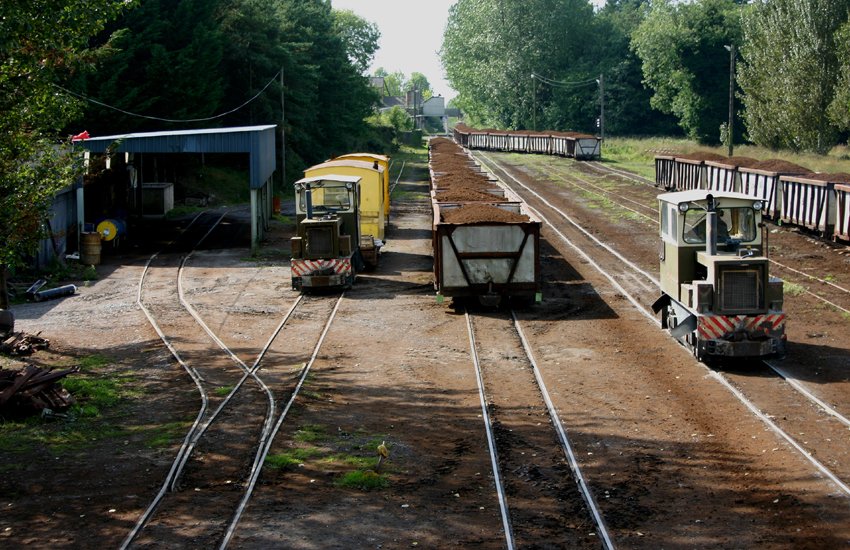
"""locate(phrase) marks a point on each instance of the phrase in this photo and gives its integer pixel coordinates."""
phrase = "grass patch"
(223, 391)
(310, 433)
(96, 392)
(181, 210)
(312, 394)
(359, 462)
(19, 436)
(792, 289)
(93, 362)
(291, 459)
(164, 435)
(362, 460)
(83, 423)
(364, 480)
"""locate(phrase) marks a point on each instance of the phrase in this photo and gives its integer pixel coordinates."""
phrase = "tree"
(839, 109)
(359, 36)
(420, 82)
(627, 101)
(200, 59)
(40, 43)
(158, 51)
(788, 72)
(393, 82)
(492, 47)
(681, 46)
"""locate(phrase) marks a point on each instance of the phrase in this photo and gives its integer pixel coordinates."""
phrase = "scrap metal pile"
(33, 390)
(30, 390)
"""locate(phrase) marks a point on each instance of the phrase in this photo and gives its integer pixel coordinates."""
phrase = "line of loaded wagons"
(485, 239)
(790, 194)
(545, 142)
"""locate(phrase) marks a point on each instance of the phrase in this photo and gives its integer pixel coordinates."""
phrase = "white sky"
(411, 36)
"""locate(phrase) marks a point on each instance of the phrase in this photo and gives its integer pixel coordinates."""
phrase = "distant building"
(413, 102)
(434, 106)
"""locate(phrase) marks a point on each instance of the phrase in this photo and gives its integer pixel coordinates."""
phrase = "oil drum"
(90, 249)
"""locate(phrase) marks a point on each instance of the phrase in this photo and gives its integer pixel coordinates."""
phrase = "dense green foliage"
(839, 109)
(491, 48)
(681, 46)
(397, 83)
(661, 61)
(359, 36)
(40, 45)
(790, 107)
(180, 63)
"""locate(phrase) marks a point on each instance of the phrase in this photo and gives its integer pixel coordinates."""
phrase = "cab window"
(737, 224)
(328, 199)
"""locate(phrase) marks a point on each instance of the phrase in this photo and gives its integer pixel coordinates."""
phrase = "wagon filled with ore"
(486, 242)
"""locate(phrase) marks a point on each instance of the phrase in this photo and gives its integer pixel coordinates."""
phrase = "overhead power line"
(137, 115)
(563, 84)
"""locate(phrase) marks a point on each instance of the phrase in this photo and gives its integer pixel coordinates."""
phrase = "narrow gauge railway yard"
(669, 455)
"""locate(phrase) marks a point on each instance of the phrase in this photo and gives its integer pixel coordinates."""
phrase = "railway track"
(538, 503)
(775, 399)
(214, 472)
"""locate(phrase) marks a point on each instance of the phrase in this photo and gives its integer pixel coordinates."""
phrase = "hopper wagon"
(485, 240)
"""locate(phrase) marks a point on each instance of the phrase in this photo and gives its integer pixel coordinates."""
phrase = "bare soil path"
(673, 459)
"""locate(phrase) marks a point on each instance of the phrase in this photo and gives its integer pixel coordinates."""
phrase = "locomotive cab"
(717, 294)
(325, 252)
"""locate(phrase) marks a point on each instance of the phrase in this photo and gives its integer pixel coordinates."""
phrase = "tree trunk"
(4, 291)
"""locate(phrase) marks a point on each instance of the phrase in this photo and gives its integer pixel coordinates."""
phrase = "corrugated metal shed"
(257, 141)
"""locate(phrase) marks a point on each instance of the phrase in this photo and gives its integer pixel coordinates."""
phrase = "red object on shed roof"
(81, 136)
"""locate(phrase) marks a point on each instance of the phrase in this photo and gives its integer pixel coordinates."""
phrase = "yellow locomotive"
(717, 295)
(341, 213)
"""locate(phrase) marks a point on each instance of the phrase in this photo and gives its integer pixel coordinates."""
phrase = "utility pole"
(282, 135)
(602, 107)
(534, 102)
(730, 136)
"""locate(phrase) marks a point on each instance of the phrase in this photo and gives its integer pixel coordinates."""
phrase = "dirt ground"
(673, 459)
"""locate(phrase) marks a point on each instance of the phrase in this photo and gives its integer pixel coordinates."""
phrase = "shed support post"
(81, 213)
(255, 229)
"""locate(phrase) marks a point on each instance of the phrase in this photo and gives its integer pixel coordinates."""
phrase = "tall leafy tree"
(165, 62)
(627, 101)
(789, 70)
(41, 43)
(420, 82)
(492, 47)
(359, 36)
(681, 46)
(839, 109)
(197, 59)
(393, 82)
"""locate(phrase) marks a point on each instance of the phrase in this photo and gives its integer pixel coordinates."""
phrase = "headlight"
(757, 205)
(348, 186)
(684, 207)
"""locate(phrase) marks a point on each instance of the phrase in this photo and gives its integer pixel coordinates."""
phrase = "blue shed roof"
(257, 141)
